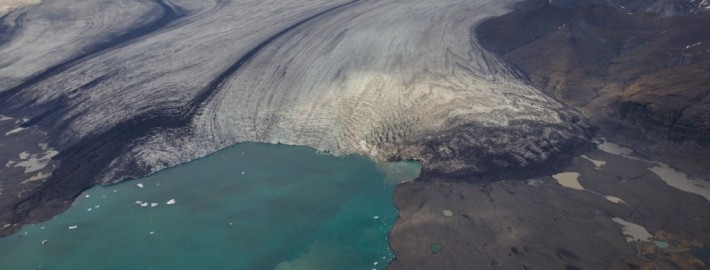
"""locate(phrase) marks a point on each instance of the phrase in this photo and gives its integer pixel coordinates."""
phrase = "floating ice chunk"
(244, 173)
(89, 209)
(171, 201)
(144, 204)
(151, 232)
(139, 185)
(87, 196)
(73, 227)
(139, 202)
(153, 204)
(376, 217)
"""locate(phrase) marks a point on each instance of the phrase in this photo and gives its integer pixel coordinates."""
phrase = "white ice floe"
(568, 179)
(140, 185)
(597, 163)
(73, 227)
(376, 217)
(139, 202)
(144, 204)
(153, 204)
(171, 201)
(633, 232)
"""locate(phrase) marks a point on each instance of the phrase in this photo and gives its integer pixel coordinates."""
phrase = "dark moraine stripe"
(84, 161)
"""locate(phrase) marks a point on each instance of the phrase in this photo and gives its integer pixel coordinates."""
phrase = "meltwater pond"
(251, 206)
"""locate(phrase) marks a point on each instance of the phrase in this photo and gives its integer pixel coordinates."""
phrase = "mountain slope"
(642, 77)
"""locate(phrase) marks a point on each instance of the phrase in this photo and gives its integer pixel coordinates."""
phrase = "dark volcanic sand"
(516, 225)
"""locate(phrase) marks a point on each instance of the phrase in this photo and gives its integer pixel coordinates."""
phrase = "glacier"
(126, 88)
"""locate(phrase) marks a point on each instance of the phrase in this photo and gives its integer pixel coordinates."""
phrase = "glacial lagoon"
(251, 206)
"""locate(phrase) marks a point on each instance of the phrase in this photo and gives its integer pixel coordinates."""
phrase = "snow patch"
(633, 232)
(681, 181)
(568, 179)
(614, 199)
(597, 163)
(16, 130)
(615, 149)
(33, 163)
(38, 176)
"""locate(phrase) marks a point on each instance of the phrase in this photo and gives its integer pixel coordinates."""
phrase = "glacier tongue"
(139, 86)
(386, 79)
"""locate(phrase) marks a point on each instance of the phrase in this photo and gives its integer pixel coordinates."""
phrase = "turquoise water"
(661, 244)
(252, 206)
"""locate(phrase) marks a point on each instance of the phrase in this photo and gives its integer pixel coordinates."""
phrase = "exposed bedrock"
(641, 77)
(386, 79)
(664, 8)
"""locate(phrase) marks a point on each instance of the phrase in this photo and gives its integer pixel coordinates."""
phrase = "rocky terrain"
(614, 213)
(664, 8)
(121, 89)
(639, 76)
